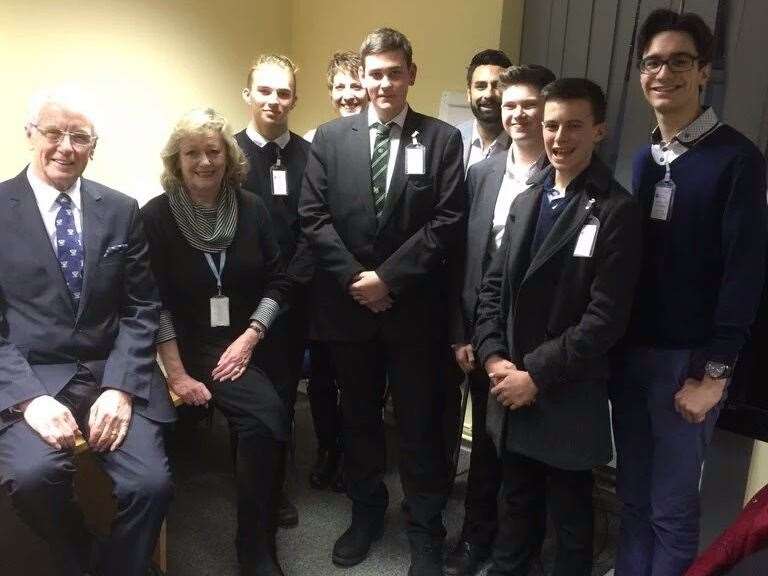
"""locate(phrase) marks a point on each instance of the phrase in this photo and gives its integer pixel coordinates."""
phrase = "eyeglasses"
(676, 63)
(79, 139)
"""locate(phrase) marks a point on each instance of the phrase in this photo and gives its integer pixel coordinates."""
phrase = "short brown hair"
(202, 121)
(663, 20)
(533, 75)
(277, 60)
(345, 61)
(386, 40)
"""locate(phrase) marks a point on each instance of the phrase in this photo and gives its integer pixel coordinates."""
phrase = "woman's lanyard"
(219, 303)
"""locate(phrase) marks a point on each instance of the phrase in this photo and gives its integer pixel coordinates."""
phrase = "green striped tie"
(379, 163)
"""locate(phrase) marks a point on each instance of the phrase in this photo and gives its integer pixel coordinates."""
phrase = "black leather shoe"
(353, 546)
(426, 559)
(324, 469)
(287, 514)
(466, 559)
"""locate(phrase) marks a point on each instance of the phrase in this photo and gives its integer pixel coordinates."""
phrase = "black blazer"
(43, 337)
(484, 181)
(406, 246)
(557, 316)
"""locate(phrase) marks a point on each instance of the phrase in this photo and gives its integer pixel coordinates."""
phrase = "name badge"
(663, 196)
(585, 245)
(279, 180)
(414, 157)
(219, 311)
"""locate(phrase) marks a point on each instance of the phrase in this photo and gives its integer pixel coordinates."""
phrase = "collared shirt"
(667, 152)
(476, 150)
(260, 141)
(395, 130)
(514, 183)
(45, 196)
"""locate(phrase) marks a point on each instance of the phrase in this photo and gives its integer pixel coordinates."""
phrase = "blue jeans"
(659, 456)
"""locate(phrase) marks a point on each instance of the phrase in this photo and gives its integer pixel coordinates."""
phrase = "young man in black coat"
(277, 158)
(556, 298)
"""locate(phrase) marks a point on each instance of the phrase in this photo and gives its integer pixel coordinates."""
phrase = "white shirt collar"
(46, 195)
(373, 118)
(260, 141)
(502, 138)
(702, 126)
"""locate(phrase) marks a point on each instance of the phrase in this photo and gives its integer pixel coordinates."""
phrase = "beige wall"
(445, 35)
(147, 61)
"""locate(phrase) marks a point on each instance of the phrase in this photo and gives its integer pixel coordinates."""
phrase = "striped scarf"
(204, 228)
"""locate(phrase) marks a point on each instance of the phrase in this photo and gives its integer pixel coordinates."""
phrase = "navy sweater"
(703, 270)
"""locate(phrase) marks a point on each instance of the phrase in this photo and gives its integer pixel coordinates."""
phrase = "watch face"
(715, 369)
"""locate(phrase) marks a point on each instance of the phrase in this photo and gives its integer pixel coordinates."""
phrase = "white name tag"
(219, 311)
(414, 160)
(585, 245)
(663, 194)
(279, 182)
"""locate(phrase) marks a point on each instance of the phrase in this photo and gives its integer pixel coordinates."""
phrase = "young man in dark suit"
(78, 314)
(277, 158)
(382, 204)
(556, 298)
(492, 185)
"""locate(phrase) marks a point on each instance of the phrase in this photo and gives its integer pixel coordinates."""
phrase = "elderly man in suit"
(555, 299)
(484, 136)
(492, 185)
(382, 205)
(78, 315)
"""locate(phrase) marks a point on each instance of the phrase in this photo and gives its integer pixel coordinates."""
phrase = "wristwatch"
(257, 327)
(717, 370)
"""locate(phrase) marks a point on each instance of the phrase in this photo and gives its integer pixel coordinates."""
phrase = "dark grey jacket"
(557, 316)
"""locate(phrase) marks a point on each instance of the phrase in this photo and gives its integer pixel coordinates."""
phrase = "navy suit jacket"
(43, 337)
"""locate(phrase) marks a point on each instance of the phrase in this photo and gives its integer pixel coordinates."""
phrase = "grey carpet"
(201, 522)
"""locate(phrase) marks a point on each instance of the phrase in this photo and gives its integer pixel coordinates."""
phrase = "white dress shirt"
(395, 131)
(476, 150)
(45, 196)
(515, 182)
(260, 141)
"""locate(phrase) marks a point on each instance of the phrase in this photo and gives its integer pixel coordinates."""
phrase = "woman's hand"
(235, 358)
(192, 391)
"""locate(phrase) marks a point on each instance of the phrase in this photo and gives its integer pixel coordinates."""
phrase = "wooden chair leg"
(159, 558)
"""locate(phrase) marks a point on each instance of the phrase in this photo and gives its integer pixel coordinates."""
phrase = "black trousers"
(530, 489)
(257, 413)
(38, 479)
(323, 392)
(484, 481)
(281, 353)
(408, 365)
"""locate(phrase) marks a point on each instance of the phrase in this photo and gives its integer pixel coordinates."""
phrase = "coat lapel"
(399, 178)
(567, 226)
(526, 212)
(359, 159)
(93, 234)
(29, 223)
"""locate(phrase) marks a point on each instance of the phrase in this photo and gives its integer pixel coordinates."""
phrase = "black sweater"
(253, 270)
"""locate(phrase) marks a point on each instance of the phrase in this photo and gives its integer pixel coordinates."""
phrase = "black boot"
(324, 469)
(257, 474)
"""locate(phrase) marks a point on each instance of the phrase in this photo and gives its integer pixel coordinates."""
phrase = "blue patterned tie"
(69, 248)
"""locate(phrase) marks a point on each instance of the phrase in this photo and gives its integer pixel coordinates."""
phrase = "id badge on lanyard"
(219, 303)
(415, 155)
(663, 196)
(279, 178)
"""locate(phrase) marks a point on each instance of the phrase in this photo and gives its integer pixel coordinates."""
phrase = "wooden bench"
(94, 492)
